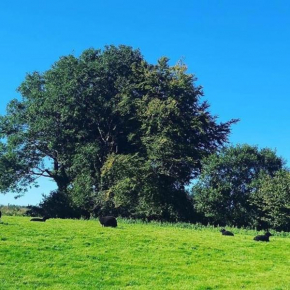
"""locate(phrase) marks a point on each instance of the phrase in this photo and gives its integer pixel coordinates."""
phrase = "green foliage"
(58, 204)
(77, 116)
(77, 254)
(272, 201)
(228, 180)
(134, 187)
(13, 210)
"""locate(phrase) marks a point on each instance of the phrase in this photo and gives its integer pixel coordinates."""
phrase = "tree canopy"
(112, 131)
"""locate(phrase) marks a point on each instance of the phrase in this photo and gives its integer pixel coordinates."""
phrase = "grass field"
(78, 254)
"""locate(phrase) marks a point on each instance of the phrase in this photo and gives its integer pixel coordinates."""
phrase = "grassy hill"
(78, 254)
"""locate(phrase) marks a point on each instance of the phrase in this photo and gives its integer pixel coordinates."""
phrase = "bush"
(13, 210)
(58, 205)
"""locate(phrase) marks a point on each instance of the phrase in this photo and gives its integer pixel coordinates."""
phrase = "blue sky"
(239, 51)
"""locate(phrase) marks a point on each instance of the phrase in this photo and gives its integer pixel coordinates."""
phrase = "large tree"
(85, 119)
(229, 179)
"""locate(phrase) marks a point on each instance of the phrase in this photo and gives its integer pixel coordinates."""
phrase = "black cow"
(263, 238)
(108, 221)
(226, 233)
(39, 219)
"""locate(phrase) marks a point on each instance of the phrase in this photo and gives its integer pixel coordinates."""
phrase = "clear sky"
(239, 50)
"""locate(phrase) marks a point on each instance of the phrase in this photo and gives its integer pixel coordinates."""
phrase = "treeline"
(241, 186)
(122, 136)
(14, 210)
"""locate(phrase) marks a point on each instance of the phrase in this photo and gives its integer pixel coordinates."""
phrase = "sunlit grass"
(78, 254)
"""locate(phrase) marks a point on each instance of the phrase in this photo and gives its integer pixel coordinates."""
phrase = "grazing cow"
(226, 233)
(108, 221)
(0, 214)
(39, 219)
(263, 238)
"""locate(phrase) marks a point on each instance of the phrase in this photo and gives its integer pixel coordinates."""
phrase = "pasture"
(79, 254)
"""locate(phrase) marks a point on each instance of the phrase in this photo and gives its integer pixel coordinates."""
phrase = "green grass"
(78, 254)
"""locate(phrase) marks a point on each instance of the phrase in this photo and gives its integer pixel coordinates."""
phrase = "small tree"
(272, 201)
(227, 182)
